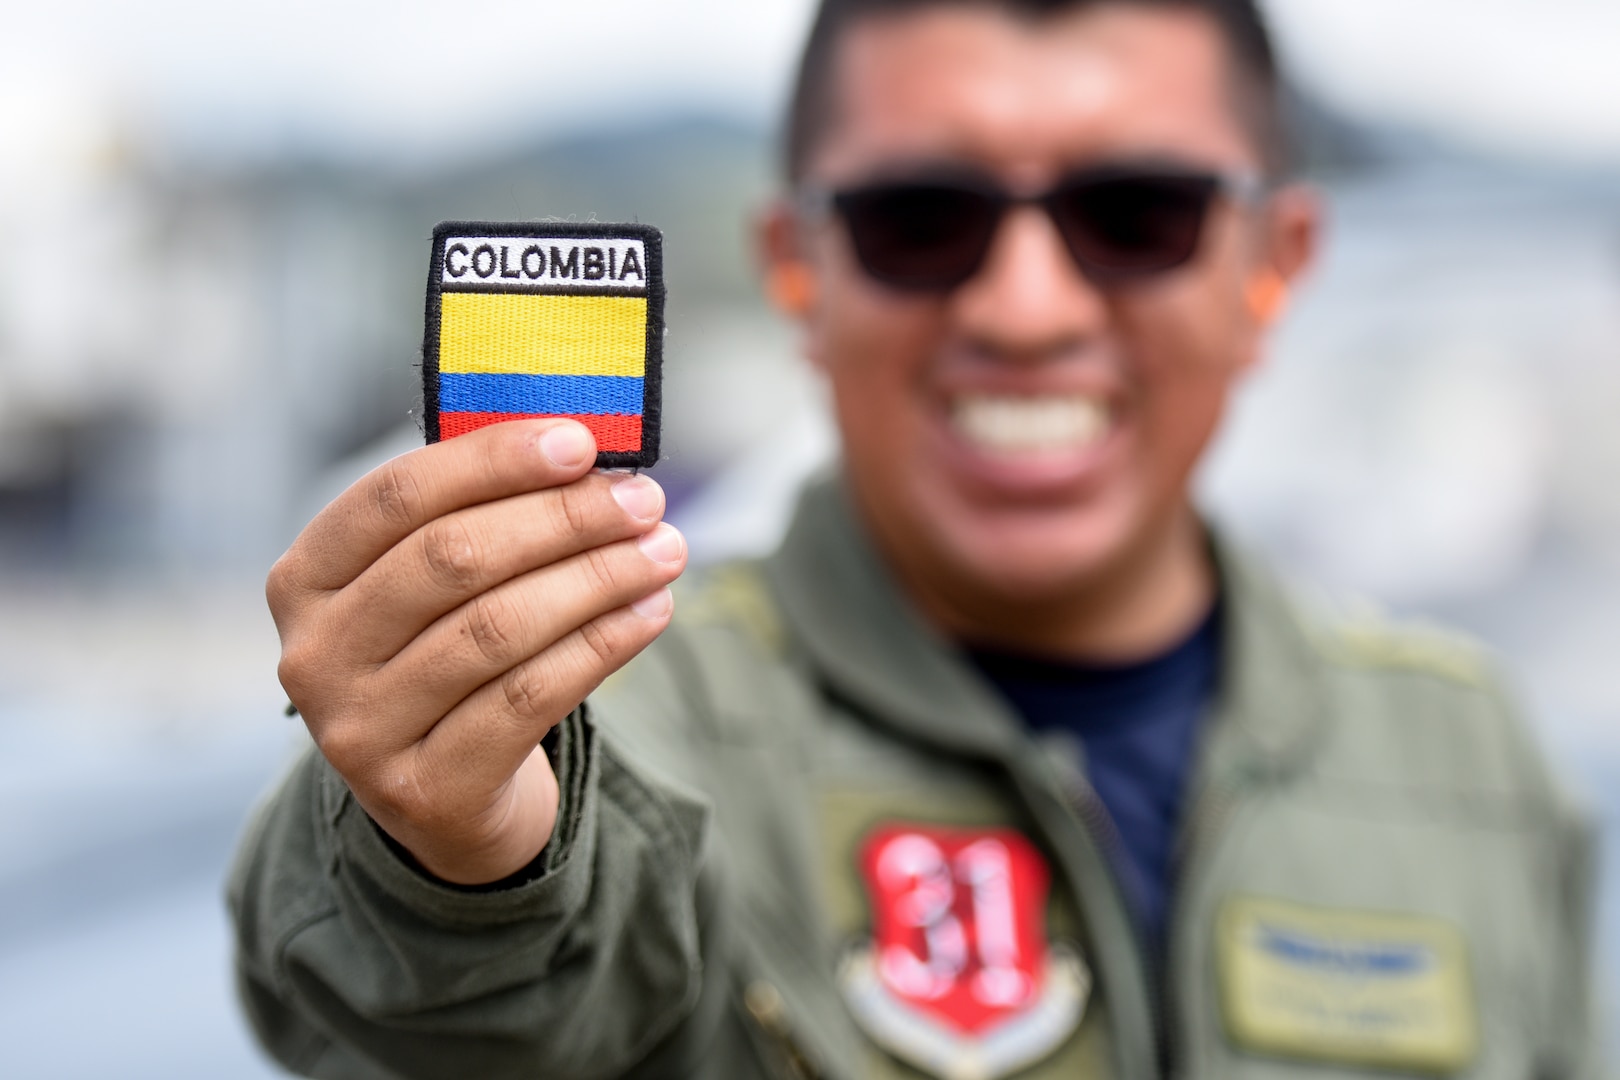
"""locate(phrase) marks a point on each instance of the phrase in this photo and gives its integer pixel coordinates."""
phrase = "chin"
(1031, 561)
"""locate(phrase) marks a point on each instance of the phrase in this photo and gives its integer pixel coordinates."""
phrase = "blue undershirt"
(1138, 727)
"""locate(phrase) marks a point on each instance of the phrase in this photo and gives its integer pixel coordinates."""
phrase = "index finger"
(400, 496)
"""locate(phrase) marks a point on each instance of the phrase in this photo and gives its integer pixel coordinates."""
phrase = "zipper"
(1099, 825)
(762, 1001)
(1212, 809)
(1045, 788)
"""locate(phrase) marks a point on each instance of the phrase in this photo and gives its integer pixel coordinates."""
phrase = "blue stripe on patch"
(545, 394)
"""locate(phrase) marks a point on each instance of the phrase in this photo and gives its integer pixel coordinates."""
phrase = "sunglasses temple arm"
(1250, 189)
(812, 204)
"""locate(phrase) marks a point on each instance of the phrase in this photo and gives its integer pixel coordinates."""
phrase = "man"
(1002, 765)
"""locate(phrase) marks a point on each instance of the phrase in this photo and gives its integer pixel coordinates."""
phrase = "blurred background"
(214, 226)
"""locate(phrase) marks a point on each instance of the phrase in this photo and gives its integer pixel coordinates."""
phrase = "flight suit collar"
(1271, 706)
(870, 644)
(872, 647)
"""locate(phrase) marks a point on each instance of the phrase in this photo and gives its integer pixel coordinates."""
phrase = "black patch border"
(652, 398)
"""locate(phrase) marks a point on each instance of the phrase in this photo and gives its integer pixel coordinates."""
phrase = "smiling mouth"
(1006, 424)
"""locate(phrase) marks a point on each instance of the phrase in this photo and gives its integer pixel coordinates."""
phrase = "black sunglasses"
(1119, 222)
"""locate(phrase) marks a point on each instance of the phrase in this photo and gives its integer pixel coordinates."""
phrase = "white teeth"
(1021, 424)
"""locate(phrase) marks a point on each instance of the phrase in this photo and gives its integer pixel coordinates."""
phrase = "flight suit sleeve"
(1580, 1048)
(1569, 1016)
(352, 964)
(1574, 1043)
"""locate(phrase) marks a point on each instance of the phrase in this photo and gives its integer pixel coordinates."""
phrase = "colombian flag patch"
(547, 319)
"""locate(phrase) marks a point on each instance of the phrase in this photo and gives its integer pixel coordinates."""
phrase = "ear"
(1291, 232)
(789, 276)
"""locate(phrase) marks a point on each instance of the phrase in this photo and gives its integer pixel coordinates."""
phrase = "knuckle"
(452, 555)
(526, 693)
(399, 792)
(395, 494)
(502, 451)
(290, 673)
(298, 665)
(600, 571)
(287, 587)
(602, 646)
(490, 624)
(341, 742)
(572, 509)
(277, 585)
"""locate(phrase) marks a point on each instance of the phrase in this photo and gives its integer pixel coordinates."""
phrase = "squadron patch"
(1380, 990)
(535, 320)
(958, 978)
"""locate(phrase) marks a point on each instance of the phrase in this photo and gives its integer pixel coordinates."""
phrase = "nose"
(1029, 302)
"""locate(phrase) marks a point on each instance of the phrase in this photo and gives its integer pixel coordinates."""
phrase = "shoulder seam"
(736, 594)
(1375, 643)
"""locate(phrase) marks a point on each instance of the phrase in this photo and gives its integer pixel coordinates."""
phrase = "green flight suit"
(1377, 873)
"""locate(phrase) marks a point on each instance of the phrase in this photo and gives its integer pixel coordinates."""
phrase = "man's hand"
(440, 616)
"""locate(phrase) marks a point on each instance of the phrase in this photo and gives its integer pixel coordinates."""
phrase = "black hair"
(1257, 95)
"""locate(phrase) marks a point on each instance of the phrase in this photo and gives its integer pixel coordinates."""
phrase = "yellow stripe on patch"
(528, 334)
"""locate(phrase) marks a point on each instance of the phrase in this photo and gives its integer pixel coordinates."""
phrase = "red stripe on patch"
(614, 432)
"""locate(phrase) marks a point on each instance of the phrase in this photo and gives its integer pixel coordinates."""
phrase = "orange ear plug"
(791, 287)
(1267, 294)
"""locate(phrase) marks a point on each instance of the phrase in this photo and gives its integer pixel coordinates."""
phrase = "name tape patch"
(536, 320)
(1372, 989)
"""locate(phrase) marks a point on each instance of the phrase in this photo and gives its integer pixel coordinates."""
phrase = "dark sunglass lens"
(919, 236)
(1134, 224)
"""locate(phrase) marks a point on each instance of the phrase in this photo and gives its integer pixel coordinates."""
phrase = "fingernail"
(566, 445)
(640, 496)
(663, 544)
(654, 605)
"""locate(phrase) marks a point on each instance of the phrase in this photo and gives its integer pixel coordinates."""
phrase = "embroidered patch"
(958, 978)
(1390, 991)
(531, 320)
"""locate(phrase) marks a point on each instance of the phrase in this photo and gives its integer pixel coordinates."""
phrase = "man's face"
(1028, 430)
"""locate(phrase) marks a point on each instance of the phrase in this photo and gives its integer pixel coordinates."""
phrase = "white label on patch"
(521, 263)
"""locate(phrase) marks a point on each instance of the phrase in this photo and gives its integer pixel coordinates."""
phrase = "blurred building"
(185, 350)
(194, 357)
